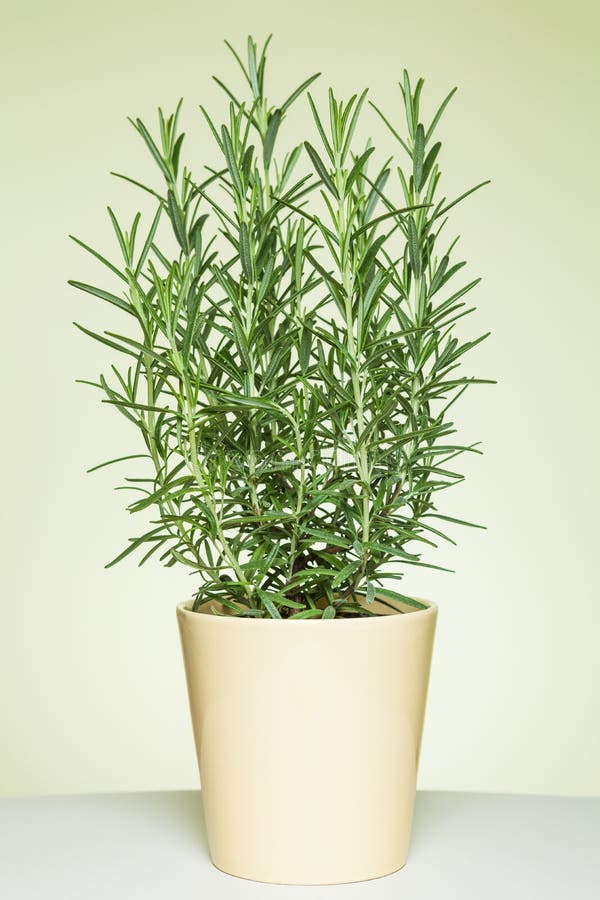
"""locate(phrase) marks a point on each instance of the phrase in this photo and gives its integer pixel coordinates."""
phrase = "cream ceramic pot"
(308, 735)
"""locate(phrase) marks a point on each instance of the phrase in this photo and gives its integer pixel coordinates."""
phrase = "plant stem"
(151, 425)
(347, 276)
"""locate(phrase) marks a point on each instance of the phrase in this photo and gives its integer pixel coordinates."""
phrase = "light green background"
(91, 682)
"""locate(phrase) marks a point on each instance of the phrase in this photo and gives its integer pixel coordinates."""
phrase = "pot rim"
(366, 621)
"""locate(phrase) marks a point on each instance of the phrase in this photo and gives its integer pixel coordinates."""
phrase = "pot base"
(304, 883)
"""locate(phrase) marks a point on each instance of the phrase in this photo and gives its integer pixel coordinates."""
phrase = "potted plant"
(290, 363)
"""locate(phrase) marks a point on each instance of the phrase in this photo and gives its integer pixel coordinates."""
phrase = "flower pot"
(308, 735)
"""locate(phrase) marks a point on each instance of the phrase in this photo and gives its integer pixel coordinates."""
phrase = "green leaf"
(234, 400)
(111, 462)
(321, 130)
(358, 167)
(231, 95)
(242, 344)
(148, 242)
(401, 598)
(99, 257)
(307, 614)
(437, 280)
(239, 61)
(376, 192)
(269, 142)
(305, 348)
(103, 295)
(135, 543)
(472, 190)
(429, 161)
(119, 234)
(246, 163)
(327, 537)
(138, 184)
(159, 159)
(190, 330)
(269, 606)
(245, 255)
(402, 143)
(413, 247)
(176, 153)
(298, 256)
(395, 213)
(141, 348)
(104, 340)
(177, 221)
(252, 67)
(418, 154)
(345, 573)
(351, 126)
(231, 161)
(299, 90)
(408, 104)
(456, 521)
(320, 168)
(438, 115)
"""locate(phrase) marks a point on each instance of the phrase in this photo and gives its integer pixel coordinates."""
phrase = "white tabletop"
(153, 845)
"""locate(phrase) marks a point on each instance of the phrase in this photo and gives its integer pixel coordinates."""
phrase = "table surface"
(151, 845)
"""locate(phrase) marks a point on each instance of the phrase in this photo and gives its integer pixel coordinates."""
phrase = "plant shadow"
(184, 811)
(434, 815)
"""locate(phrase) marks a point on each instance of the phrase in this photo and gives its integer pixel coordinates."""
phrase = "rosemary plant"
(288, 354)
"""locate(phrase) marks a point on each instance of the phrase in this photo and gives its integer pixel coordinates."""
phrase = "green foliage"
(288, 355)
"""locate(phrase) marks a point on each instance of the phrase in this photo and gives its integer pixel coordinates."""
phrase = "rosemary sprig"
(289, 354)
